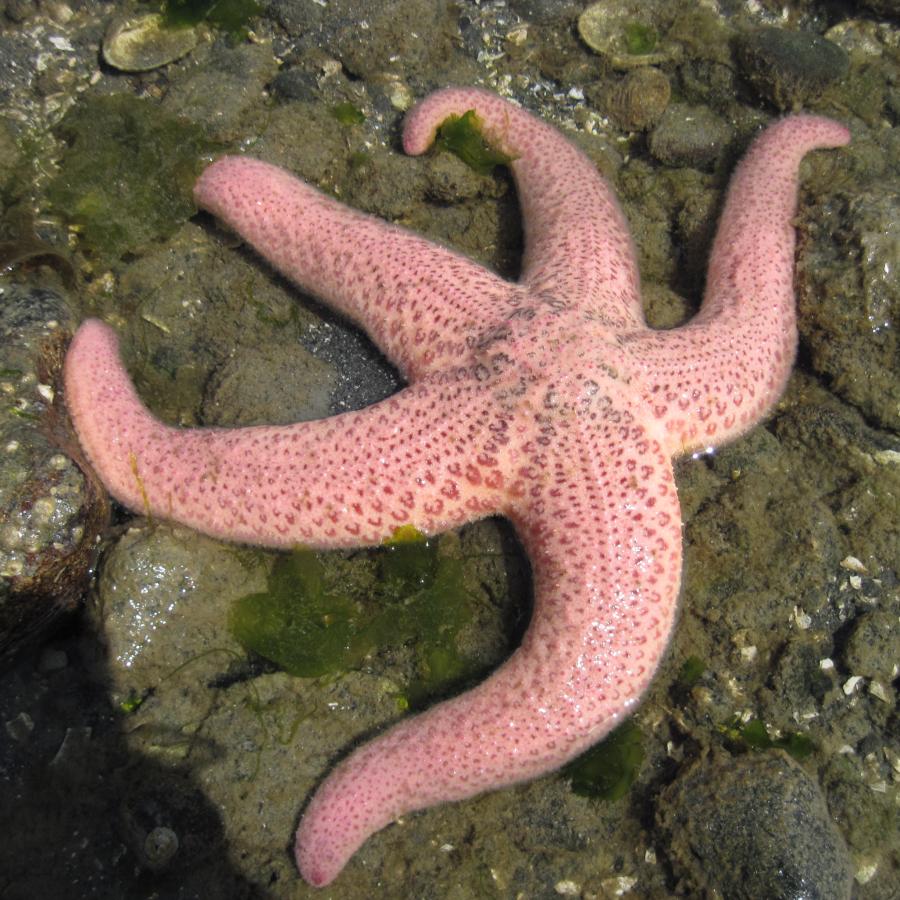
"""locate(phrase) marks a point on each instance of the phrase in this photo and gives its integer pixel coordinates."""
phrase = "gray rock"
(273, 385)
(162, 594)
(754, 826)
(226, 94)
(789, 68)
(798, 673)
(689, 136)
(871, 648)
(295, 84)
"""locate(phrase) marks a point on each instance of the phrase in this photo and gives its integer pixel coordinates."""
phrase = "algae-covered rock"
(232, 16)
(867, 818)
(225, 97)
(871, 649)
(126, 175)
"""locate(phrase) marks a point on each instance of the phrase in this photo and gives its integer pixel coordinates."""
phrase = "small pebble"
(20, 728)
(52, 660)
(160, 845)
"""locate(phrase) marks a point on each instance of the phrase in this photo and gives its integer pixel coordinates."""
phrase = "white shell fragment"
(138, 43)
(605, 26)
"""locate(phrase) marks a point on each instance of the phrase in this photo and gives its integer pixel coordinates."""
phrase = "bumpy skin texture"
(548, 401)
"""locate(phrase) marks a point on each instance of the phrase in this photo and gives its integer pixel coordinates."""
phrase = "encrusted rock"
(371, 37)
(637, 101)
(50, 509)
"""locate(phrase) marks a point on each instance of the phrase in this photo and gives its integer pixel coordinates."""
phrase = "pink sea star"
(548, 401)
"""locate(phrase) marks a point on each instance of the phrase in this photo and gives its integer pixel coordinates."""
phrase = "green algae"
(230, 16)
(463, 137)
(754, 735)
(311, 622)
(608, 769)
(640, 39)
(358, 160)
(348, 114)
(691, 671)
(126, 175)
(133, 702)
(689, 674)
(297, 623)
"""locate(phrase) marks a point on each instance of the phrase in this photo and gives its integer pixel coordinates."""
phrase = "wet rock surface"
(754, 826)
(180, 770)
(226, 92)
(280, 388)
(154, 604)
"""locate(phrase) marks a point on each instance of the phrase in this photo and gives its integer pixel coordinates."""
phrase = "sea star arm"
(417, 300)
(577, 242)
(430, 456)
(602, 529)
(717, 376)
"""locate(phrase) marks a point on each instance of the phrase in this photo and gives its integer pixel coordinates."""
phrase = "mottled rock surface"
(754, 826)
